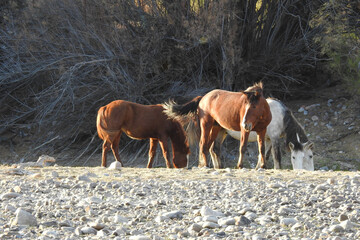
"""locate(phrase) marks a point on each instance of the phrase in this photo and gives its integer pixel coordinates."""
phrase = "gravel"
(137, 203)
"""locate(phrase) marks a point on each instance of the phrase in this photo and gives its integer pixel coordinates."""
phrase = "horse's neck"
(177, 137)
(293, 129)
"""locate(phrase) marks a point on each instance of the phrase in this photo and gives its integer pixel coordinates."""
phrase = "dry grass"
(62, 60)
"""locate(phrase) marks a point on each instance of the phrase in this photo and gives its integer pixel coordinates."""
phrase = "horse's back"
(224, 107)
(275, 129)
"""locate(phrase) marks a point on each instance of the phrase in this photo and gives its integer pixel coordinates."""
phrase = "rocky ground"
(136, 203)
(331, 118)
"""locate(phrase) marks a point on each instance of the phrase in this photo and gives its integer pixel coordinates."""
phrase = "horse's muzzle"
(247, 126)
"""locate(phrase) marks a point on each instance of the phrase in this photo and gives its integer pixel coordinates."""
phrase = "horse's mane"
(257, 87)
(254, 92)
(178, 136)
(293, 131)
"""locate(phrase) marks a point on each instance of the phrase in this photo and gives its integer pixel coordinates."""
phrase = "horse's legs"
(105, 149)
(164, 147)
(215, 149)
(268, 148)
(261, 146)
(243, 142)
(152, 151)
(205, 125)
(115, 148)
(276, 154)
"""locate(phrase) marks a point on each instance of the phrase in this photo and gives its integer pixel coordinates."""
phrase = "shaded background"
(61, 60)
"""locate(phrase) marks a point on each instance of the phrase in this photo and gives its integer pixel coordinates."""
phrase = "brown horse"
(141, 122)
(240, 111)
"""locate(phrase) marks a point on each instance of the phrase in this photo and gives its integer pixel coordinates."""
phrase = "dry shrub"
(62, 60)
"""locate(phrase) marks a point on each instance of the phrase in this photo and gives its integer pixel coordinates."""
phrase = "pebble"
(24, 218)
(246, 205)
(336, 228)
(288, 221)
(9, 195)
(115, 166)
(140, 237)
(206, 211)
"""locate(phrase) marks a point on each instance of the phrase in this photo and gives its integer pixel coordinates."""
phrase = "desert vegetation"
(61, 60)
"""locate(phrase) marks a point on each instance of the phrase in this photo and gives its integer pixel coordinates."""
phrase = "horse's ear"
(291, 146)
(309, 145)
(258, 93)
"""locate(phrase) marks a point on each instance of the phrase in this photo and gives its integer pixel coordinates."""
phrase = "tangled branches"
(62, 60)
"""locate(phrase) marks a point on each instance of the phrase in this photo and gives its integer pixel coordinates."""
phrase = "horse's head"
(302, 155)
(180, 159)
(254, 109)
(180, 145)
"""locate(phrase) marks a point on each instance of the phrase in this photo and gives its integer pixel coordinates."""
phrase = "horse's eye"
(310, 156)
(293, 157)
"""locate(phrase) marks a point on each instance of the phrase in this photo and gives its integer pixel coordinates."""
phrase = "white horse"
(283, 124)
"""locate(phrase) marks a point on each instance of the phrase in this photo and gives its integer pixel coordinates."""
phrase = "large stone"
(24, 218)
(206, 211)
(173, 214)
(288, 221)
(226, 221)
(115, 166)
(9, 195)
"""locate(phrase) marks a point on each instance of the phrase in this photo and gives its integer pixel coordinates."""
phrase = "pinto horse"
(141, 122)
(219, 109)
(282, 125)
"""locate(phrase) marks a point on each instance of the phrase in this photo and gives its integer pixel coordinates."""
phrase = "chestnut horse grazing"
(238, 111)
(141, 122)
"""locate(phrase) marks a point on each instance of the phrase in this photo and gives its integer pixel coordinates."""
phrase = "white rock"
(210, 219)
(321, 187)
(206, 211)
(173, 214)
(288, 221)
(283, 211)
(210, 225)
(264, 220)
(93, 199)
(140, 237)
(242, 221)
(336, 228)
(120, 219)
(251, 215)
(50, 233)
(88, 230)
(195, 227)
(115, 166)
(97, 225)
(347, 225)
(258, 237)
(160, 219)
(275, 185)
(9, 195)
(226, 221)
(296, 226)
(315, 118)
(84, 178)
(9, 208)
(54, 174)
(24, 218)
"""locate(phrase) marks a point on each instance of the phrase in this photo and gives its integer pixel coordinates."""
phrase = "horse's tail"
(181, 111)
(99, 119)
(187, 115)
(192, 130)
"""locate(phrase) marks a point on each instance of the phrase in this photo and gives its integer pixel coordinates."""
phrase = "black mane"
(292, 130)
